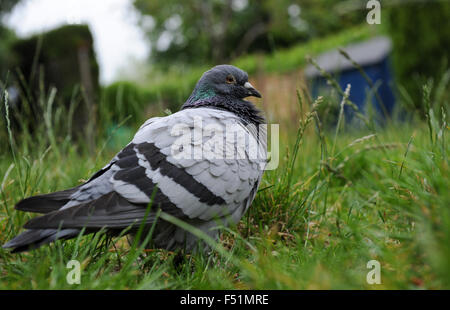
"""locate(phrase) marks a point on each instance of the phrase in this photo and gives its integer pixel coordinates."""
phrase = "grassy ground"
(340, 198)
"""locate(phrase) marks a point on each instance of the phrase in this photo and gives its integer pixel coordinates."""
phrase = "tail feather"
(110, 211)
(34, 238)
(45, 203)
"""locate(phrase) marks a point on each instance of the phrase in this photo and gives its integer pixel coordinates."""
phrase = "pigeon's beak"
(251, 91)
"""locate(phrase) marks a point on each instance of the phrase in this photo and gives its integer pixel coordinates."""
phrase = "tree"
(215, 31)
(421, 37)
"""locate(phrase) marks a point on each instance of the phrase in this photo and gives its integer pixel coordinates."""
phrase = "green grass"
(340, 198)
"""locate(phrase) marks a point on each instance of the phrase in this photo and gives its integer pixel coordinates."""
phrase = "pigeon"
(201, 165)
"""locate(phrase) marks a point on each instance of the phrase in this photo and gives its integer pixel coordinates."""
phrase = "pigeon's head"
(224, 87)
(224, 81)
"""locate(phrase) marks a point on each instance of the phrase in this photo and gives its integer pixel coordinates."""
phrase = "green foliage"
(122, 99)
(7, 38)
(166, 90)
(7, 5)
(294, 58)
(198, 32)
(421, 35)
(57, 53)
(62, 59)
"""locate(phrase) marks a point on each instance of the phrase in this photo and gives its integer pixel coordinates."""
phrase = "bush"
(63, 59)
(121, 99)
(421, 37)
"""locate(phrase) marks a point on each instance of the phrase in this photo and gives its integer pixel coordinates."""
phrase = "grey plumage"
(201, 191)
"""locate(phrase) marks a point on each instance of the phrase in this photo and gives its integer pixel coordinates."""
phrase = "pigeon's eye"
(230, 79)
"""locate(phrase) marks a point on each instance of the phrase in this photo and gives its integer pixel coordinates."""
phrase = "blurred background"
(113, 63)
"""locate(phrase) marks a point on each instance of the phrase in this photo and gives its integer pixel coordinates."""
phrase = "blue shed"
(373, 57)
